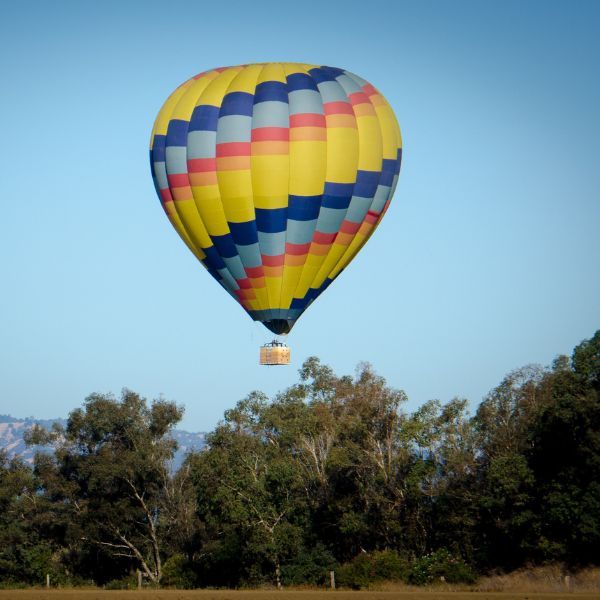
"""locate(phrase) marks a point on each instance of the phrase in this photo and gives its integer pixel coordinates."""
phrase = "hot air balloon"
(275, 175)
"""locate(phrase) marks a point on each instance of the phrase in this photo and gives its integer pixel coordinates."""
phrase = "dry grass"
(283, 595)
(542, 583)
(553, 578)
(286, 595)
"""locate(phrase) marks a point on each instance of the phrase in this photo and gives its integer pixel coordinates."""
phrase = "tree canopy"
(331, 473)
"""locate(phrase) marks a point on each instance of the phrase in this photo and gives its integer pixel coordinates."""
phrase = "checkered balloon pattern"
(275, 175)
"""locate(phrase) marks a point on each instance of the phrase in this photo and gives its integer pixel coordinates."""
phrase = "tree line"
(332, 473)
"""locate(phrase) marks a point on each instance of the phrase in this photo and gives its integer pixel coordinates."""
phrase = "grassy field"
(541, 583)
(283, 595)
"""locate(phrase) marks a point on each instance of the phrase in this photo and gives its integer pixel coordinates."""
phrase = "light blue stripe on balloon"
(358, 209)
(234, 128)
(331, 91)
(305, 101)
(300, 232)
(160, 173)
(394, 184)
(272, 244)
(270, 114)
(350, 86)
(235, 267)
(330, 219)
(249, 255)
(359, 80)
(201, 144)
(176, 160)
(381, 196)
(228, 281)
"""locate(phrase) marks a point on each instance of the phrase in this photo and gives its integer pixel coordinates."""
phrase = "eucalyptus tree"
(564, 455)
(112, 482)
(26, 555)
(250, 494)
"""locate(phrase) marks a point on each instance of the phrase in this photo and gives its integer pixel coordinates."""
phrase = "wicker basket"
(275, 353)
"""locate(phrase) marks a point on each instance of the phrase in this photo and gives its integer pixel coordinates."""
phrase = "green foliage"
(368, 568)
(178, 572)
(586, 361)
(327, 473)
(440, 565)
(568, 472)
(27, 554)
(128, 582)
(110, 497)
(309, 566)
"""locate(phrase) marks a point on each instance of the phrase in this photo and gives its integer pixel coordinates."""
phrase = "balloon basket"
(274, 353)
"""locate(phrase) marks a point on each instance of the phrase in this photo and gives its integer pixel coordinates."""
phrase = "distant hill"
(12, 430)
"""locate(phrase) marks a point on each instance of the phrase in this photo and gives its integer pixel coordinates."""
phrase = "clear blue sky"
(489, 257)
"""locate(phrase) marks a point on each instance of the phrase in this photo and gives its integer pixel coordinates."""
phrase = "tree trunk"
(278, 573)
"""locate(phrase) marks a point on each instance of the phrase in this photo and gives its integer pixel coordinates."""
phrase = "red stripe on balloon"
(270, 134)
(323, 238)
(254, 272)
(297, 249)
(358, 98)
(233, 149)
(248, 294)
(369, 90)
(178, 180)
(244, 283)
(202, 165)
(272, 261)
(349, 227)
(307, 120)
(338, 108)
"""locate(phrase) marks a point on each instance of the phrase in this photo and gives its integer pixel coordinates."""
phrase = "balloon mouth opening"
(278, 326)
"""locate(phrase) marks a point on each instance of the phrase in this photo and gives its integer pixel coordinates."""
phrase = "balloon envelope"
(275, 175)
